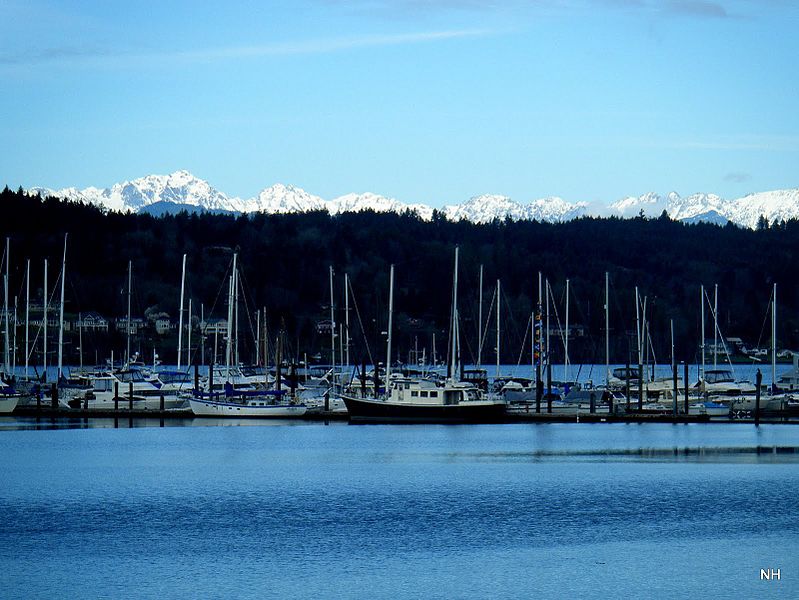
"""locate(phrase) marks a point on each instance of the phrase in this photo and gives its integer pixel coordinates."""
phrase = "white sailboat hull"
(8, 404)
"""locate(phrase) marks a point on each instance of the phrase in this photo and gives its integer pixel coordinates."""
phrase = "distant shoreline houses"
(94, 322)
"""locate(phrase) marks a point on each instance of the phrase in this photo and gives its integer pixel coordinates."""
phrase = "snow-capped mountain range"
(182, 190)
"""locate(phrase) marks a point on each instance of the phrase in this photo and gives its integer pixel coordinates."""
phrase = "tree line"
(285, 261)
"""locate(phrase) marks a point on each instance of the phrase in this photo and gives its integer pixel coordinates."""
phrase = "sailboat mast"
(5, 307)
(566, 339)
(638, 328)
(347, 319)
(715, 325)
(455, 368)
(6, 363)
(498, 324)
(80, 339)
(188, 340)
(257, 337)
(702, 345)
(390, 325)
(236, 323)
(180, 310)
(61, 313)
(44, 340)
(333, 329)
(229, 349)
(607, 328)
(537, 335)
(480, 321)
(130, 281)
(27, 313)
(774, 341)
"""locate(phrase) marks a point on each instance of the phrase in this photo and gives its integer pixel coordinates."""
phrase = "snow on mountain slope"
(484, 209)
(281, 198)
(181, 188)
(776, 206)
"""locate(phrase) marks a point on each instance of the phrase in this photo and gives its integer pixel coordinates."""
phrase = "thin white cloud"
(324, 46)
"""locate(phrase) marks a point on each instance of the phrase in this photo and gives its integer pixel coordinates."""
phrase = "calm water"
(298, 510)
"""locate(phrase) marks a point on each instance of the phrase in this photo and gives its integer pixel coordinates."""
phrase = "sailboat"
(240, 402)
(416, 400)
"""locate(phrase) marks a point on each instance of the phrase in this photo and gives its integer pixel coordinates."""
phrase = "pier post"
(549, 386)
(377, 381)
(278, 365)
(686, 388)
(363, 378)
(327, 401)
(610, 402)
(196, 379)
(592, 408)
(293, 379)
(210, 381)
(640, 386)
(759, 380)
(130, 394)
(54, 396)
(627, 384)
(162, 402)
(676, 388)
(39, 400)
(116, 395)
(85, 404)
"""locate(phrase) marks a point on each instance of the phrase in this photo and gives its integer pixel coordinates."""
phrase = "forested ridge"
(285, 263)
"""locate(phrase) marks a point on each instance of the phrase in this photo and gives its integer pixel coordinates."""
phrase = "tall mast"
(203, 328)
(638, 330)
(14, 344)
(229, 349)
(774, 341)
(130, 281)
(715, 325)
(180, 310)
(5, 308)
(480, 322)
(236, 323)
(80, 339)
(702, 345)
(498, 324)
(607, 329)
(455, 369)
(61, 313)
(257, 337)
(566, 339)
(188, 340)
(27, 313)
(347, 318)
(390, 324)
(333, 330)
(537, 346)
(44, 340)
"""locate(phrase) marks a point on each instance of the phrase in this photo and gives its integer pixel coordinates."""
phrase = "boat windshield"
(625, 373)
(126, 376)
(719, 377)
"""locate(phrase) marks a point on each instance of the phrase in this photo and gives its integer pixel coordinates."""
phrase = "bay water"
(307, 510)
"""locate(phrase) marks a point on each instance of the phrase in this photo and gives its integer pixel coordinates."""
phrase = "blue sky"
(424, 101)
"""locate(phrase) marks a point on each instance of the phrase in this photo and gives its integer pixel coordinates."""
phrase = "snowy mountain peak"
(281, 198)
(180, 188)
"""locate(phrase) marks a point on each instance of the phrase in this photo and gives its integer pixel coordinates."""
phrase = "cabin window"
(407, 386)
(423, 394)
(414, 394)
(434, 394)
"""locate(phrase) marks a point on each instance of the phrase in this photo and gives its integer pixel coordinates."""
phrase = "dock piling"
(759, 380)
